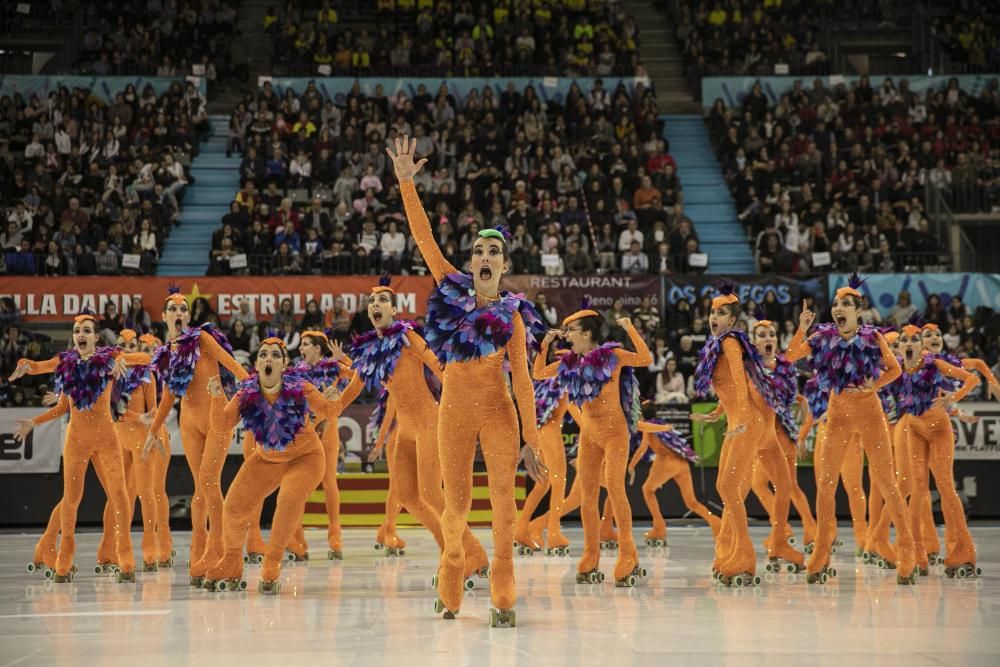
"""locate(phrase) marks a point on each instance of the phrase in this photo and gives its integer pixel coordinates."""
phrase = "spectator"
(244, 315)
(671, 384)
(903, 310)
(111, 323)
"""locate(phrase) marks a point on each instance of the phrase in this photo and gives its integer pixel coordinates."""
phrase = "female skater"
(160, 462)
(749, 401)
(393, 356)
(184, 366)
(852, 362)
(85, 375)
(599, 381)
(674, 457)
(473, 328)
(275, 406)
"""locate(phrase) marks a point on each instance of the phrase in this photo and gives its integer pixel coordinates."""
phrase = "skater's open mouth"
(268, 370)
(769, 349)
(486, 273)
(909, 354)
(377, 316)
(177, 323)
(841, 321)
(714, 328)
(82, 342)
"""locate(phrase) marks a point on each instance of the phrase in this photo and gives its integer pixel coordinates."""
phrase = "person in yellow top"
(326, 18)
(304, 123)
(717, 16)
(270, 20)
(361, 57)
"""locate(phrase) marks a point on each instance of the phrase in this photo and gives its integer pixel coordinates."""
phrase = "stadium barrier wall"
(104, 87)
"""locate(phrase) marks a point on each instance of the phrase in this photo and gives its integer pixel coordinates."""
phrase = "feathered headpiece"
(383, 284)
(914, 326)
(585, 311)
(761, 317)
(174, 294)
(727, 293)
(853, 283)
(317, 334)
(271, 340)
(499, 232)
(127, 335)
(150, 340)
(891, 337)
(86, 314)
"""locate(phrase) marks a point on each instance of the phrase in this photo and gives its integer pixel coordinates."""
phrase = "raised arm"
(148, 402)
(134, 358)
(36, 367)
(983, 368)
(892, 368)
(324, 409)
(799, 347)
(969, 380)
(539, 370)
(650, 427)
(524, 391)
(420, 226)
(419, 347)
(56, 411)
(214, 352)
(642, 357)
(162, 410)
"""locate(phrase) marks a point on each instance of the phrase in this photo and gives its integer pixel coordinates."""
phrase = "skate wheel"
(31, 568)
(792, 541)
(49, 573)
(756, 580)
(979, 571)
(833, 572)
(469, 584)
(196, 582)
(594, 577)
(334, 555)
(221, 586)
(823, 577)
(243, 585)
(378, 547)
(771, 567)
(962, 572)
(484, 572)
(246, 560)
(438, 606)
(99, 569)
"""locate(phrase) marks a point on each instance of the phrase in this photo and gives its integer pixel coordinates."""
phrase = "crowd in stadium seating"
(845, 171)
(748, 37)
(159, 38)
(585, 186)
(460, 38)
(969, 34)
(85, 183)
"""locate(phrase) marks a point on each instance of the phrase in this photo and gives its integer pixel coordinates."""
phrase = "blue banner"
(732, 89)
(882, 289)
(103, 87)
(549, 89)
(788, 291)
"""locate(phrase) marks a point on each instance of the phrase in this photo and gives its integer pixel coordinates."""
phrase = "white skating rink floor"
(373, 610)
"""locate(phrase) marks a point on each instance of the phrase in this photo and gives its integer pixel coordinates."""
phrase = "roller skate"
(740, 580)
(253, 558)
(632, 578)
(525, 545)
(609, 545)
(439, 608)
(293, 557)
(559, 550)
(50, 572)
(105, 568)
(503, 618)
(594, 576)
(230, 585)
(523, 549)
(269, 587)
(35, 566)
(934, 558)
(150, 567)
(64, 578)
(809, 547)
(822, 576)
(963, 571)
(656, 538)
(169, 562)
(334, 554)
(910, 580)
(836, 545)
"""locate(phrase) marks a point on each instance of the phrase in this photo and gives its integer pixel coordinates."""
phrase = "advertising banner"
(882, 289)
(565, 293)
(979, 441)
(788, 291)
(41, 450)
(59, 299)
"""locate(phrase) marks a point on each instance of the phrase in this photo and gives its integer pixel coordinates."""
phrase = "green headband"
(492, 234)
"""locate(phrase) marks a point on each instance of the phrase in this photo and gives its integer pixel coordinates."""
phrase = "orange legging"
(850, 476)
(761, 478)
(572, 502)
(856, 415)
(90, 436)
(297, 470)
(604, 449)
(491, 419)
(161, 464)
(551, 439)
(667, 466)
(877, 539)
(206, 445)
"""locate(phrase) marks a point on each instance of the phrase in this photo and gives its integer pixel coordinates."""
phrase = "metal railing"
(948, 229)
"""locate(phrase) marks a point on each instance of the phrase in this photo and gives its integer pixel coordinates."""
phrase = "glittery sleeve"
(420, 228)
(650, 427)
(574, 412)
(213, 352)
(982, 367)
(163, 409)
(40, 367)
(230, 414)
(419, 347)
(799, 347)
(387, 418)
(969, 381)
(892, 368)
(56, 411)
(539, 370)
(524, 390)
(642, 357)
(325, 409)
(351, 391)
(807, 420)
(136, 358)
(732, 352)
(640, 451)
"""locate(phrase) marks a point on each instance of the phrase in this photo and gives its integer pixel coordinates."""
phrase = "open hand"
(631, 476)
(50, 399)
(533, 464)
(402, 159)
(121, 368)
(20, 371)
(966, 418)
(24, 427)
(624, 322)
(376, 453)
(338, 350)
(331, 393)
(152, 440)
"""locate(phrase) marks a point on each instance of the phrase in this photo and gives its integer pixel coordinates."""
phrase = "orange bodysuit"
(330, 438)
(608, 535)
(744, 406)
(856, 416)
(205, 445)
(668, 465)
(551, 439)
(476, 404)
(90, 436)
(294, 471)
(604, 446)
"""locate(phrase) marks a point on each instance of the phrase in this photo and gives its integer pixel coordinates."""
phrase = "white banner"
(980, 441)
(41, 450)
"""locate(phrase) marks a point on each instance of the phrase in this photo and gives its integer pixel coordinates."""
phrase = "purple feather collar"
(548, 395)
(375, 357)
(840, 363)
(708, 359)
(673, 441)
(274, 426)
(916, 389)
(584, 375)
(84, 380)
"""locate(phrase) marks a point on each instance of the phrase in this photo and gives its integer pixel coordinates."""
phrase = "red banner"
(58, 299)
(565, 293)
